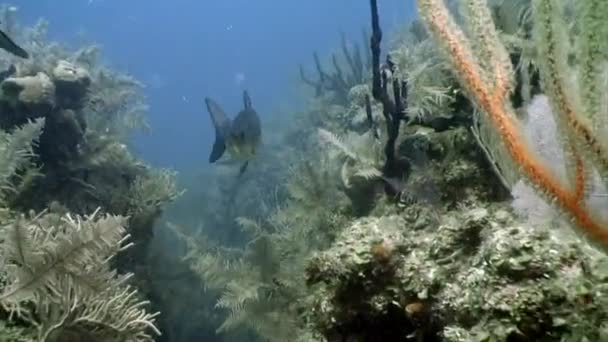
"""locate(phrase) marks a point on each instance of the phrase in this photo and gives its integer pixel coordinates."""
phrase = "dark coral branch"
(319, 66)
(375, 40)
(347, 53)
(370, 117)
(340, 80)
(354, 60)
(393, 108)
(305, 79)
(338, 77)
(359, 68)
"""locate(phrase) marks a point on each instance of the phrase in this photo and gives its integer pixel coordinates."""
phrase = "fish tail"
(221, 124)
(219, 146)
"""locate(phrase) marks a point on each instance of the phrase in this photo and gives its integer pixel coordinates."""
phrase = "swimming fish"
(240, 136)
(9, 45)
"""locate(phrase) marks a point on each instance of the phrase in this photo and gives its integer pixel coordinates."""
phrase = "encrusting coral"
(477, 274)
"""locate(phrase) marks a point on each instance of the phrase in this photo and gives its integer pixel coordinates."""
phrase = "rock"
(72, 83)
(33, 94)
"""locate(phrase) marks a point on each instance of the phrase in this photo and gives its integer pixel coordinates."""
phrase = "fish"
(9, 45)
(240, 136)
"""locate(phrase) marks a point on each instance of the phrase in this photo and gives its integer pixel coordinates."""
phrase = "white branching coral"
(58, 278)
(16, 149)
(360, 155)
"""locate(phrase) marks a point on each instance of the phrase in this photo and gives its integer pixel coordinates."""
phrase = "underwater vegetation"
(447, 185)
(435, 195)
(77, 209)
(336, 85)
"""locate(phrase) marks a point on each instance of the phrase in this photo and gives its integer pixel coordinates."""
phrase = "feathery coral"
(58, 278)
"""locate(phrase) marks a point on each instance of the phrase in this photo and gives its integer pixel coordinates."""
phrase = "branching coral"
(249, 283)
(89, 111)
(116, 105)
(389, 90)
(483, 67)
(80, 164)
(339, 82)
(58, 279)
(55, 269)
(360, 155)
(259, 286)
(431, 92)
(16, 151)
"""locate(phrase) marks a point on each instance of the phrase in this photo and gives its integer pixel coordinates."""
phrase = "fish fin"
(246, 100)
(219, 118)
(219, 146)
(243, 168)
(9, 45)
(221, 124)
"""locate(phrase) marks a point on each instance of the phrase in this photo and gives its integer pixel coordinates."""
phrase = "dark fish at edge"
(9, 45)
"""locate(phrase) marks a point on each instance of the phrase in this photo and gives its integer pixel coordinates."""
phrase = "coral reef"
(478, 273)
(405, 216)
(82, 157)
(56, 278)
(453, 261)
(259, 285)
(77, 209)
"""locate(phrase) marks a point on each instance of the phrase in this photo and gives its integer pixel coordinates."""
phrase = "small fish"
(9, 45)
(241, 136)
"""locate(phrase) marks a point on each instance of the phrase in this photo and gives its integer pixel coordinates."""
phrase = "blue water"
(188, 49)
